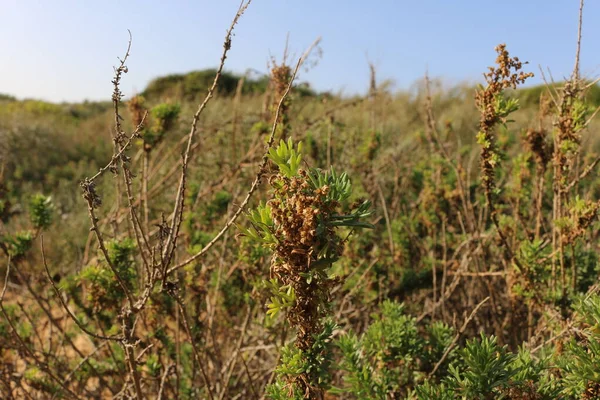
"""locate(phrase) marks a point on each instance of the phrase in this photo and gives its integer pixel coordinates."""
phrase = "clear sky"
(64, 50)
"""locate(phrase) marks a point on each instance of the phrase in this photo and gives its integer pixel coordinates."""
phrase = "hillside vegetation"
(225, 237)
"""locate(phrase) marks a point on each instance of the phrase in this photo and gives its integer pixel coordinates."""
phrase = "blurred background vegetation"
(417, 249)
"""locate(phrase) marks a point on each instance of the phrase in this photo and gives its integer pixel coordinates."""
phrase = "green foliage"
(164, 116)
(581, 363)
(392, 355)
(18, 244)
(207, 213)
(530, 96)
(199, 222)
(588, 267)
(25, 330)
(260, 128)
(262, 225)
(219, 204)
(535, 261)
(340, 190)
(121, 254)
(196, 83)
(440, 337)
(36, 378)
(319, 357)
(153, 364)
(340, 185)
(580, 113)
(281, 297)
(281, 391)
(503, 107)
(40, 211)
(487, 368)
(392, 350)
(315, 362)
(103, 293)
(371, 145)
(431, 391)
(7, 97)
(287, 158)
(358, 376)
(392, 335)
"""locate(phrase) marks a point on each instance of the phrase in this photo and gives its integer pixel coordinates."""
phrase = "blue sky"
(64, 50)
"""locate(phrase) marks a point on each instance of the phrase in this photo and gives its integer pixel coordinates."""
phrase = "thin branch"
(171, 240)
(231, 362)
(163, 381)
(583, 174)
(38, 362)
(576, 67)
(5, 281)
(193, 343)
(120, 153)
(553, 338)
(83, 361)
(458, 335)
(387, 219)
(261, 171)
(129, 351)
(92, 214)
(54, 322)
(117, 95)
(553, 96)
(64, 304)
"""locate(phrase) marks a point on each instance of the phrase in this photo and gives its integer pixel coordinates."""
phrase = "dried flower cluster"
(494, 108)
(137, 109)
(583, 214)
(565, 122)
(536, 141)
(299, 223)
(280, 78)
(301, 215)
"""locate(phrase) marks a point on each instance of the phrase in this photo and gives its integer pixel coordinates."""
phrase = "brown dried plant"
(280, 77)
(495, 109)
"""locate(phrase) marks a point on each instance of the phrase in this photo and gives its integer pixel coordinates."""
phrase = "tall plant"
(302, 224)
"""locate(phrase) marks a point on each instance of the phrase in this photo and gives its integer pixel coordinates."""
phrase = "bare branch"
(575, 76)
(39, 362)
(175, 222)
(64, 304)
(257, 179)
(458, 335)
